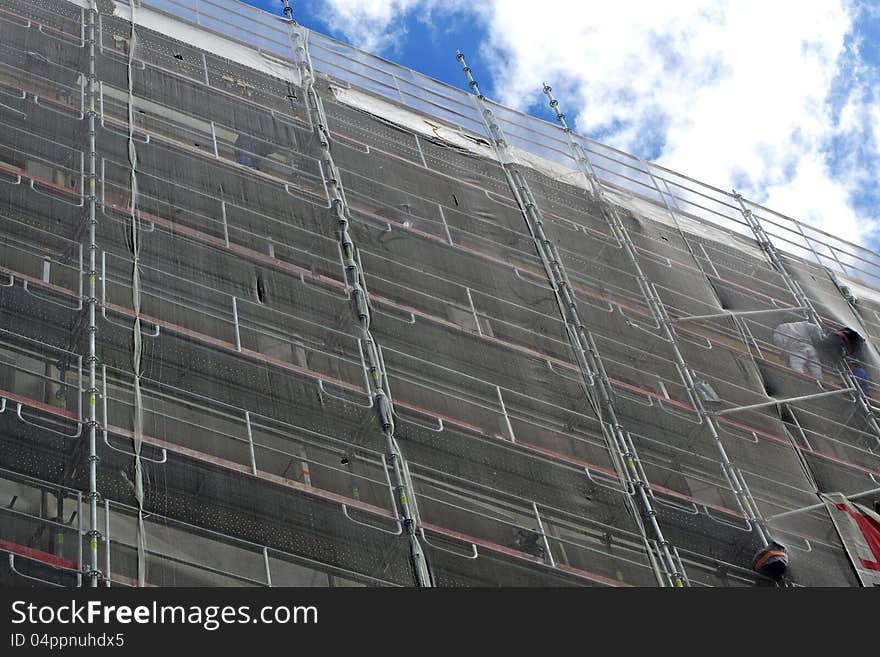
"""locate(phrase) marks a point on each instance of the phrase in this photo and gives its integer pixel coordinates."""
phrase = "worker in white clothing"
(799, 340)
(804, 340)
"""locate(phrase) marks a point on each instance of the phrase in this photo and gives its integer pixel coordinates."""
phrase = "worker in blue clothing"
(862, 379)
(246, 150)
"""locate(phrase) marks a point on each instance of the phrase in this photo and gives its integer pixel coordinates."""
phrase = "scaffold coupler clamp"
(385, 412)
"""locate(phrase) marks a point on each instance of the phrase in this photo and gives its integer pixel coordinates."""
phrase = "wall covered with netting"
(253, 333)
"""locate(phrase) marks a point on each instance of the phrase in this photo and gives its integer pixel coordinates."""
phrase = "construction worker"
(771, 561)
(528, 541)
(804, 342)
(246, 150)
(840, 343)
(799, 340)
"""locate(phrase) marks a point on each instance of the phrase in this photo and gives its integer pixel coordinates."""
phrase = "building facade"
(274, 311)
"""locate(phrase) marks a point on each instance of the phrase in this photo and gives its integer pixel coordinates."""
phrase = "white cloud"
(377, 25)
(730, 92)
(373, 25)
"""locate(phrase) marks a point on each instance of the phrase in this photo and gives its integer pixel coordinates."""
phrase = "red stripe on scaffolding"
(459, 423)
(329, 282)
(199, 337)
(158, 443)
(478, 252)
(307, 489)
(310, 373)
(243, 251)
(57, 562)
(643, 249)
(33, 403)
(290, 483)
(325, 281)
(523, 555)
(37, 555)
(67, 191)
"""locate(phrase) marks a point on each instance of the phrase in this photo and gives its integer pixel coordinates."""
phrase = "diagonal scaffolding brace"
(660, 314)
(595, 383)
(356, 283)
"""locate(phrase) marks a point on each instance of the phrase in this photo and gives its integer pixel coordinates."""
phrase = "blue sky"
(778, 99)
(428, 48)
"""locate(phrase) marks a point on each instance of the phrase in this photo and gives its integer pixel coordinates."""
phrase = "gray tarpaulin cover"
(347, 325)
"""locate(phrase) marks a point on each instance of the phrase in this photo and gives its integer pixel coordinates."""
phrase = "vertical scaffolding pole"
(288, 11)
(356, 283)
(593, 375)
(94, 533)
(661, 316)
(137, 334)
(843, 370)
(851, 301)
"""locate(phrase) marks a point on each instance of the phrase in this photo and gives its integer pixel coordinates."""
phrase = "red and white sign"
(859, 529)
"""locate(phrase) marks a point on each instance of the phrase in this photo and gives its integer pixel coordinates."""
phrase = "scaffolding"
(277, 312)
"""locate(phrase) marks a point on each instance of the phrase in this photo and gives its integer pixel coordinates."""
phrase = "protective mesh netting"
(241, 433)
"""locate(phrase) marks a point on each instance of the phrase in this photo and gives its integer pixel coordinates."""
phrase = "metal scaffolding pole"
(593, 375)
(94, 533)
(843, 370)
(288, 11)
(737, 313)
(137, 334)
(821, 505)
(297, 233)
(851, 301)
(789, 400)
(661, 316)
(356, 284)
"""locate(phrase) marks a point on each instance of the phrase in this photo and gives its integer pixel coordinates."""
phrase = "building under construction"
(277, 312)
